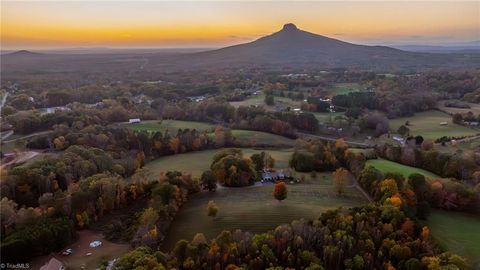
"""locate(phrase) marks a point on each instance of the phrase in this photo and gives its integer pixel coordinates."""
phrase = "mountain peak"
(23, 53)
(289, 27)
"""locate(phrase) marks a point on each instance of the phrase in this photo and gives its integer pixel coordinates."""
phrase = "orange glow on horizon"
(208, 24)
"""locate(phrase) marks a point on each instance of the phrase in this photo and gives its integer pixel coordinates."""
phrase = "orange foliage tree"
(280, 191)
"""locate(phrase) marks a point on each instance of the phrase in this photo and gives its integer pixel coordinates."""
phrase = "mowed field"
(345, 88)
(427, 124)
(259, 100)
(243, 136)
(171, 125)
(251, 137)
(474, 108)
(390, 166)
(198, 162)
(255, 210)
(457, 232)
(324, 117)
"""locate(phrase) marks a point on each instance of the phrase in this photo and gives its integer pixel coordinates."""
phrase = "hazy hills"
(290, 47)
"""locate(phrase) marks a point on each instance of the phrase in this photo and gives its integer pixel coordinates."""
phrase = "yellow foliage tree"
(341, 178)
(396, 200)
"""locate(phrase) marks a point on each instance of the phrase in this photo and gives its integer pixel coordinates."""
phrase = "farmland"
(390, 166)
(457, 232)
(254, 209)
(327, 116)
(171, 126)
(345, 88)
(249, 137)
(259, 100)
(474, 108)
(427, 124)
(198, 162)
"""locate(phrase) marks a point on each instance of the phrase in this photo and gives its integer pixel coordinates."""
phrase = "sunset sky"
(60, 24)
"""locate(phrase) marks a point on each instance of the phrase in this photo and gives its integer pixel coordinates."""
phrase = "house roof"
(53, 264)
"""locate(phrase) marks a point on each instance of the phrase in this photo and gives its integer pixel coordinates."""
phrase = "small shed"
(134, 121)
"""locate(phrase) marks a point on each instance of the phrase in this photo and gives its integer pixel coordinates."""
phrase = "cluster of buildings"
(274, 176)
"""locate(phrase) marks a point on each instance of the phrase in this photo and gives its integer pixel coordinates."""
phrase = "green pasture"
(249, 137)
(427, 124)
(457, 232)
(390, 166)
(198, 162)
(254, 209)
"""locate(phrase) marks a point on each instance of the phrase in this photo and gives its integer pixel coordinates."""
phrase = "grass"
(243, 136)
(254, 209)
(261, 138)
(259, 100)
(470, 144)
(345, 88)
(390, 166)
(427, 124)
(474, 108)
(198, 162)
(327, 116)
(457, 232)
(170, 125)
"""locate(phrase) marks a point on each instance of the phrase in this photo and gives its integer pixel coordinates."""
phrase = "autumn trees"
(37, 237)
(262, 161)
(231, 168)
(341, 179)
(208, 181)
(167, 194)
(280, 191)
(368, 237)
(415, 195)
(319, 156)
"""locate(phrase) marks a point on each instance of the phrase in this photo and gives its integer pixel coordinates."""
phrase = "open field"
(259, 100)
(470, 144)
(457, 232)
(198, 162)
(79, 259)
(255, 210)
(171, 125)
(243, 136)
(327, 116)
(428, 125)
(345, 88)
(261, 138)
(390, 166)
(474, 108)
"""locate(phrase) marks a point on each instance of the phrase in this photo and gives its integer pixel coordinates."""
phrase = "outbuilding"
(134, 121)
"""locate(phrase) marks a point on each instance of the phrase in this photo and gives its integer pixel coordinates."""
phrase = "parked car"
(67, 252)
